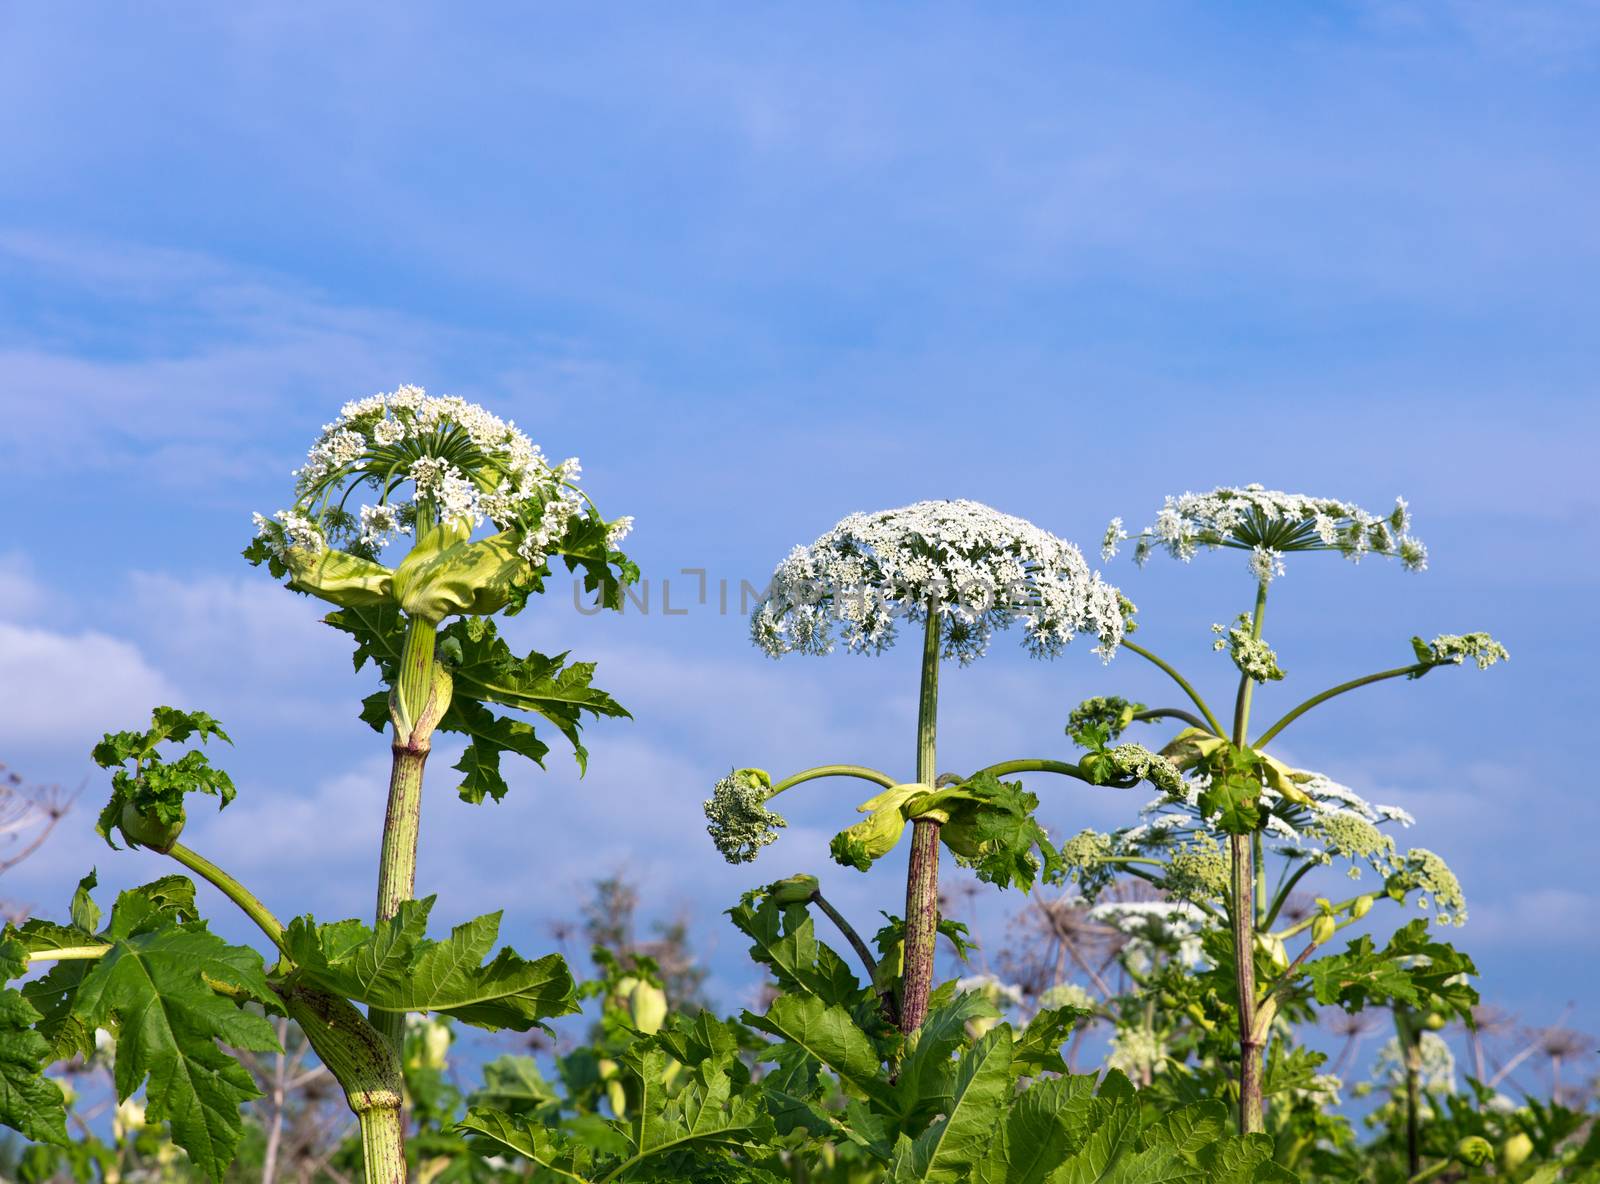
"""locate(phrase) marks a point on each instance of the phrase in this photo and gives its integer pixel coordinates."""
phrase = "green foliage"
(684, 1122)
(29, 1102)
(1411, 969)
(483, 670)
(988, 824)
(147, 799)
(170, 991)
(396, 967)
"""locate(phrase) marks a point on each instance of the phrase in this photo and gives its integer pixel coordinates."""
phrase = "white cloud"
(1537, 917)
(64, 690)
(21, 594)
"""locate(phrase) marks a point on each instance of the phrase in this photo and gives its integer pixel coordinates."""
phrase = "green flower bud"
(648, 1004)
(145, 830)
(1474, 1150)
(1323, 929)
(1361, 906)
(793, 889)
(618, 1097)
(1434, 1021)
(1273, 947)
(1514, 1152)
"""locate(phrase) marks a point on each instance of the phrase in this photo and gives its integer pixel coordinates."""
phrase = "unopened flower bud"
(793, 889)
(1474, 1150)
(144, 830)
(1323, 928)
(648, 1004)
(1514, 1152)
(1361, 907)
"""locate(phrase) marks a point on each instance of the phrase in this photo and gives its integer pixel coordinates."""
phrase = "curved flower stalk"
(483, 512)
(1232, 790)
(960, 570)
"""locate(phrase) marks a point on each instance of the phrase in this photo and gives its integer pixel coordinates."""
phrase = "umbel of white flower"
(1269, 524)
(979, 569)
(435, 469)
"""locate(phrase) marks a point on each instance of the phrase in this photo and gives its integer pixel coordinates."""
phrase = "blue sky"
(760, 268)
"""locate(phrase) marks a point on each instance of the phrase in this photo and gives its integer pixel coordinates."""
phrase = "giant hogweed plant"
(1205, 841)
(956, 571)
(172, 994)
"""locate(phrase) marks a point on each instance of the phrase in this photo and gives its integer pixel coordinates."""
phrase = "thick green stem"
(383, 1146)
(1244, 954)
(419, 700)
(922, 873)
(1331, 692)
(1172, 673)
(232, 889)
(363, 1063)
(1242, 848)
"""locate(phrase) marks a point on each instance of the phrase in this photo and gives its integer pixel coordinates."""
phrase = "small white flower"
(1265, 563)
(619, 530)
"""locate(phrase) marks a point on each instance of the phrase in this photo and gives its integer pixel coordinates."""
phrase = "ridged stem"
(362, 1061)
(1242, 848)
(922, 873)
(421, 694)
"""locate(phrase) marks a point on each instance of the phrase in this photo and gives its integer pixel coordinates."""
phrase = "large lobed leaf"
(171, 992)
(396, 967)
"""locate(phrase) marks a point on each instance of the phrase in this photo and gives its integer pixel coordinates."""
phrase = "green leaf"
(154, 789)
(1038, 1048)
(785, 940)
(1115, 1123)
(864, 843)
(948, 1151)
(927, 1070)
(705, 1114)
(483, 670)
(30, 1102)
(487, 670)
(514, 1085)
(1189, 1130)
(489, 735)
(992, 830)
(84, 912)
(154, 989)
(1246, 1160)
(1411, 969)
(564, 1158)
(396, 968)
(830, 1034)
(1047, 1122)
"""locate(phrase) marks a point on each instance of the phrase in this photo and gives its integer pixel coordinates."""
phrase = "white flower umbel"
(1269, 524)
(432, 458)
(982, 569)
